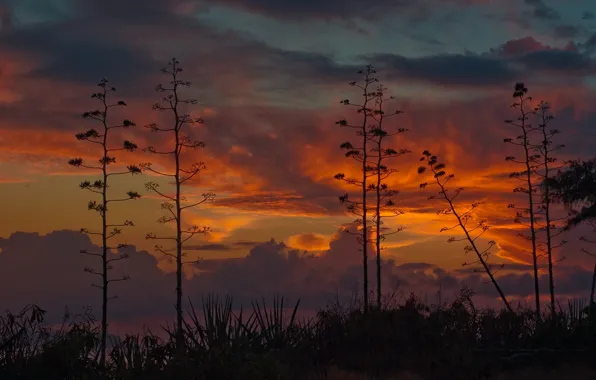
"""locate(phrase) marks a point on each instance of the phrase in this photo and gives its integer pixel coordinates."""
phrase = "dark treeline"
(441, 341)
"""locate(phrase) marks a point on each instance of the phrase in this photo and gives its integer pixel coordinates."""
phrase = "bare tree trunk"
(591, 307)
(177, 203)
(532, 225)
(545, 148)
(360, 154)
(179, 323)
(478, 254)
(438, 172)
(364, 222)
(104, 253)
(378, 228)
(549, 247)
(523, 140)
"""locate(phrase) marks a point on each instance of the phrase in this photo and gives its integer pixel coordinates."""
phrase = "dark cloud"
(6, 17)
(88, 43)
(525, 45)
(343, 9)
(447, 69)
(48, 270)
(542, 11)
(97, 51)
(107, 44)
(416, 266)
(118, 40)
(564, 61)
(590, 44)
(569, 282)
(75, 57)
(313, 9)
(521, 58)
(566, 31)
(246, 243)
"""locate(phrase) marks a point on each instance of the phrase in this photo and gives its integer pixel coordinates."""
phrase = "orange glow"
(250, 181)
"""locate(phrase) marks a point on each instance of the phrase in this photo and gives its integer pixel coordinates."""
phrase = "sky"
(269, 76)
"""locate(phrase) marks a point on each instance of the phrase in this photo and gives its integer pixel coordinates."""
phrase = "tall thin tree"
(385, 207)
(441, 178)
(545, 173)
(530, 162)
(361, 155)
(100, 187)
(173, 103)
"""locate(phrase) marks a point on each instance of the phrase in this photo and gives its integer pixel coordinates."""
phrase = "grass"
(406, 341)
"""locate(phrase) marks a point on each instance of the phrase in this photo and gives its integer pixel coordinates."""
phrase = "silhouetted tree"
(361, 155)
(544, 173)
(530, 162)
(591, 305)
(576, 187)
(100, 187)
(385, 207)
(175, 204)
(441, 179)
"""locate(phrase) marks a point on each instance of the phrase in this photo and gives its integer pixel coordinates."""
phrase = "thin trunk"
(179, 323)
(591, 307)
(104, 254)
(473, 244)
(364, 214)
(364, 193)
(378, 223)
(179, 335)
(531, 208)
(547, 202)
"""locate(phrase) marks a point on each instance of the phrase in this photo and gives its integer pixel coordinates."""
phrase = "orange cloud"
(309, 242)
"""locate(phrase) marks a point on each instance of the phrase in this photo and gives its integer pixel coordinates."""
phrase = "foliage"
(456, 341)
(576, 186)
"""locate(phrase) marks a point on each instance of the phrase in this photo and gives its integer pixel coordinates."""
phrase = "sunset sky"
(269, 76)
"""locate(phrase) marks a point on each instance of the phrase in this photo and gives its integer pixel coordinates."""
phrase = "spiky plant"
(109, 230)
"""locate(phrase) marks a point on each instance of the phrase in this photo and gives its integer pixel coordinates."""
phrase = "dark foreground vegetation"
(408, 340)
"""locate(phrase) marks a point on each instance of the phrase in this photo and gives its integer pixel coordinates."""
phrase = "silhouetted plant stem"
(545, 149)
(360, 154)
(174, 205)
(383, 192)
(101, 187)
(591, 307)
(438, 172)
(593, 287)
(530, 163)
